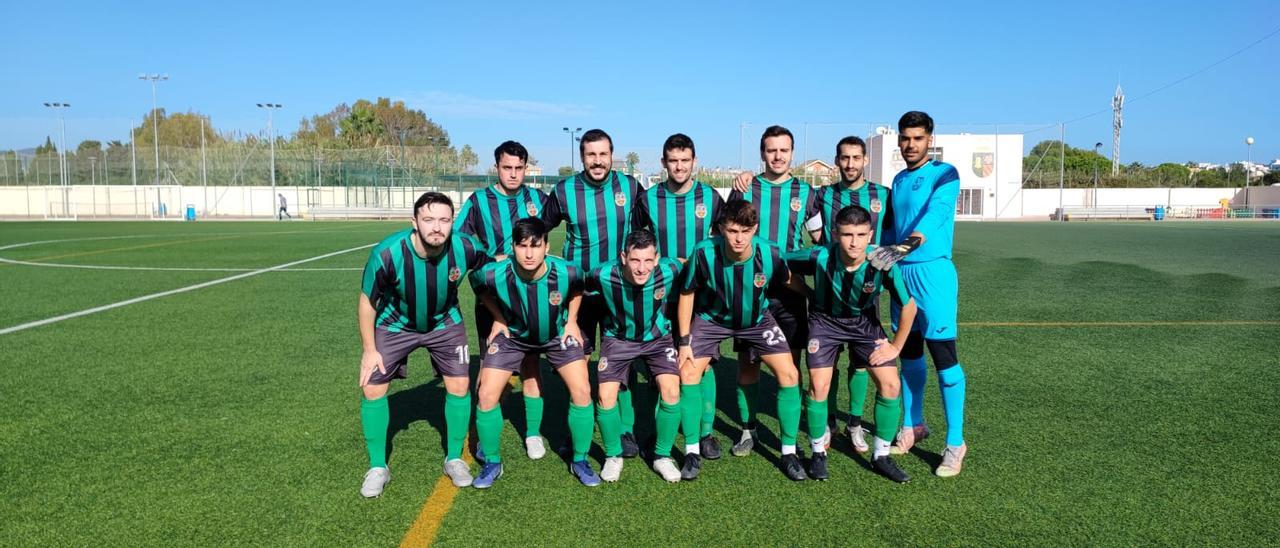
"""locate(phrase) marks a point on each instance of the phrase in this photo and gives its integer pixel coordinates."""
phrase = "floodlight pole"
(1248, 141)
(1096, 146)
(271, 134)
(573, 134)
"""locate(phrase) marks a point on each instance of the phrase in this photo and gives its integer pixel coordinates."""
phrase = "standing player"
(725, 282)
(854, 189)
(787, 210)
(409, 300)
(842, 310)
(683, 212)
(924, 205)
(595, 206)
(488, 215)
(534, 300)
(636, 289)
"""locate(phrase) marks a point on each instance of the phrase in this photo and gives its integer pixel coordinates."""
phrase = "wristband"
(683, 340)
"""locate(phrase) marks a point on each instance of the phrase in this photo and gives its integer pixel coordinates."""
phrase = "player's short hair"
(915, 118)
(639, 239)
(593, 135)
(854, 215)
(774, 131)
(428, 198)
(852, 140)
(511, 148)
(529, 228)
(677, 142)
(741, 213)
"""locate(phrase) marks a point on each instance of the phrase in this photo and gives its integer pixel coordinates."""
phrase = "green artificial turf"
(228, 415)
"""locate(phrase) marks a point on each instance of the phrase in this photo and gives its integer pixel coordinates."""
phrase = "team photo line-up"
(663, 276)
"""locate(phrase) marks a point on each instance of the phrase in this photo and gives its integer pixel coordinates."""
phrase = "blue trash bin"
(1159, 215)
(191, 212)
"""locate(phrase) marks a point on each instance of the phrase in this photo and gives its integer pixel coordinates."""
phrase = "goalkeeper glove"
(886, 256)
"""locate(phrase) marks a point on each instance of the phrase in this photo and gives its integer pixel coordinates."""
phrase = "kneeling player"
(409, 300)
(534, 300)
(725, 280)
(635, 291)
(842, 311)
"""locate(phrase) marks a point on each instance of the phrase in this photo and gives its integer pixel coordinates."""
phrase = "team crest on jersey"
(795, 204)
(700, 211)
(876, 206)
(554, 298)
(869, 287)
(915, 184)
(620, 199)
(493, 348)
(759, 280)
(531, 208)
(814, 345)
(659, 293)
(604, 364)
(454, 274)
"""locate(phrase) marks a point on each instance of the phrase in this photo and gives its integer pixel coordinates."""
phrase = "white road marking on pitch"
(143, 298)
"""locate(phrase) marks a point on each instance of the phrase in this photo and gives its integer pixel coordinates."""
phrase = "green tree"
(467, 158)
(1169, 174)
(47, 148)
(361, 128)
(179, 130)
(564, 171)
(633, 160)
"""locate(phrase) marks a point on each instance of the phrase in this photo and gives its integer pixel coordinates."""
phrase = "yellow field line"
(132, 247)
(424, 528)
(1125, 324)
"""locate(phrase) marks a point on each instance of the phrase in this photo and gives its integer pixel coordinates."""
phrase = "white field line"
(135, 300)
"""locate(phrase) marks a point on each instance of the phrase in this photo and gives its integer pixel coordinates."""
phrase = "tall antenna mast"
(1117, 122)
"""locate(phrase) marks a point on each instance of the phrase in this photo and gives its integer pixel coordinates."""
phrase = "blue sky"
(490, 71)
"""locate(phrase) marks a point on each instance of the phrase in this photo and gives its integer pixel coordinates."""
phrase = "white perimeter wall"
(88, 202)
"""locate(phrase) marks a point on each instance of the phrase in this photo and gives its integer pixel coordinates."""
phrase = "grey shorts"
(762, 339)
(616, 356)
(450, 356)
(828, 335)
(507, 354)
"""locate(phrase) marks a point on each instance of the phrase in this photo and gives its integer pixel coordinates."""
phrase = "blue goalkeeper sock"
(914, 375)
(952, 382)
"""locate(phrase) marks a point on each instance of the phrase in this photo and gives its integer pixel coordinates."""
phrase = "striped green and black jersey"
(597, 216)
(489, 214)
(636, 312)
(733, 294)
(871, 196)
(784, 209)
(842, 293)
(411, 293)
(680, 221)
(536, 310)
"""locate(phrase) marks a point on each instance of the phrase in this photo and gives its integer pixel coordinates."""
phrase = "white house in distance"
(990, 169)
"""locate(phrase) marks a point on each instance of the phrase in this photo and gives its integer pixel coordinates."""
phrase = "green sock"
(888, 417)
(457, 415)
(857, 394)
(489, 430)
(667, 424)
(788, 413)
(375, 416)
(626, 411)
(708, 386)
(532, 416)
(816, 415)
(748, 402)
(581, 424)
(690, 412)
(610, 430)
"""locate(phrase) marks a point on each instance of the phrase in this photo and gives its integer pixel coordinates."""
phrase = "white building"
(990, 169)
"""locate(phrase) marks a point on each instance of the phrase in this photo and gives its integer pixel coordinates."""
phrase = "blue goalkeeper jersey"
(924, 201)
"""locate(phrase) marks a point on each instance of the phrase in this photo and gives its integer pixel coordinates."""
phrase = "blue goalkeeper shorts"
(936, 290)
